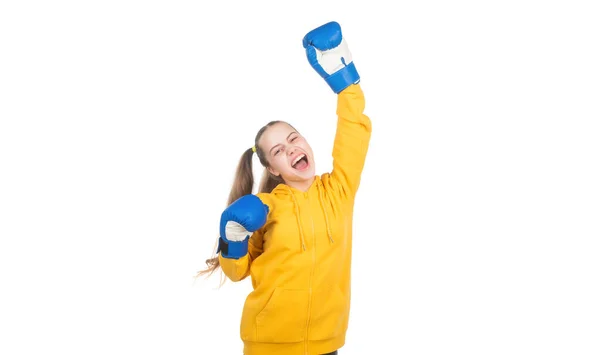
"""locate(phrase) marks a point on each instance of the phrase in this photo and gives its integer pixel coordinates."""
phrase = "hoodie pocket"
(284, 317)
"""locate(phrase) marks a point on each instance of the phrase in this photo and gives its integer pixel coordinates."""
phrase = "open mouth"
(301, 162)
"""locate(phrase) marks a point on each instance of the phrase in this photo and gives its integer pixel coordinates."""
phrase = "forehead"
(276, 134)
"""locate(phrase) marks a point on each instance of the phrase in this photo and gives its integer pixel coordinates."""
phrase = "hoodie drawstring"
(324, 212)
(298, 219)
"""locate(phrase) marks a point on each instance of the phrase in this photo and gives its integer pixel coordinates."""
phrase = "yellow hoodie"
(299, 261)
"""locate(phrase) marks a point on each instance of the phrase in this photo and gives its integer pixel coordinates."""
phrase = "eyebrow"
(276, 145)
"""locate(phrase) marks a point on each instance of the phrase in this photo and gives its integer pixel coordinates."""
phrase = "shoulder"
(265, 197)
(269, 199)
(335, 189)
(329, 182)
(278, 201)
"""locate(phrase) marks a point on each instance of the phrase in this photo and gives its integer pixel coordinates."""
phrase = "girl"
(294, 237)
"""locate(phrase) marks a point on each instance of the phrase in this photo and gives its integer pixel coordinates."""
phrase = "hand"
(239, 220)
(328, 53)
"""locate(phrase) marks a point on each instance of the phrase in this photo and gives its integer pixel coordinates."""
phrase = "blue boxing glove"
(239, 220)
(328, 53)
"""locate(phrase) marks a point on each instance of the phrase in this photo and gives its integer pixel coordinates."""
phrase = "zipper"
(312, 270)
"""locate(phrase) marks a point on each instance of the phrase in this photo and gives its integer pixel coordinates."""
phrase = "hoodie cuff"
(232, 250)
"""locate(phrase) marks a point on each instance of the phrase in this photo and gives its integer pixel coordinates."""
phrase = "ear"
(274, 172)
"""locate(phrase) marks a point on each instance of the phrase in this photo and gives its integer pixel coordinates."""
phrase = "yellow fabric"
(299, 262)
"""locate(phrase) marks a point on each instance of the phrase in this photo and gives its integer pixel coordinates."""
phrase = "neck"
(301, 185)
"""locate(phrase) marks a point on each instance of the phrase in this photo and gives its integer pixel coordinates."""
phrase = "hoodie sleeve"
(352, 139)
(239, 269)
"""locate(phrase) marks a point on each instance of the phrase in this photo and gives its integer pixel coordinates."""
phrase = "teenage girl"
(294, 237)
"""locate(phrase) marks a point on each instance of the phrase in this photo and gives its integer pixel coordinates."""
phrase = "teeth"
(298, 158)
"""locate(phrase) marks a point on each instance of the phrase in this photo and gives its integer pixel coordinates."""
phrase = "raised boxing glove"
(238, 221)
(328, 53)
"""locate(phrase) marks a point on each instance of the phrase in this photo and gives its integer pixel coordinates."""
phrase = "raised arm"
(352, 139)
(329, 55)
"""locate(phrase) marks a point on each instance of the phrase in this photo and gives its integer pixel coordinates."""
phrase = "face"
(288, 153)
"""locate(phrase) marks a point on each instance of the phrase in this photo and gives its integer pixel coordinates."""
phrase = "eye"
(277, 151)
(294, 138)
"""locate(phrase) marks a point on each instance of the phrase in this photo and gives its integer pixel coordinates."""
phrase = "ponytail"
(244, 179)
(242, 185)
(268, 182)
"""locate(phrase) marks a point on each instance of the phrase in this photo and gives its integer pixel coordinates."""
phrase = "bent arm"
(239, 269)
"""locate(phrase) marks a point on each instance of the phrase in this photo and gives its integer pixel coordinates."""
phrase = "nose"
(291, 150)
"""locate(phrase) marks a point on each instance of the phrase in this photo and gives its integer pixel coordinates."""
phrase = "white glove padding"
(235, 232)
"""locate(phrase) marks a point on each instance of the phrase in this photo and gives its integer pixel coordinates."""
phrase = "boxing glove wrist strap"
(343, 78)
(232, 250)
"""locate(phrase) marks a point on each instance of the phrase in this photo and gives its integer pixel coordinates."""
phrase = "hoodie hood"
(316, 188)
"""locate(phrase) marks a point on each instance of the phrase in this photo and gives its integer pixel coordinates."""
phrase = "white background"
(478, 220)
